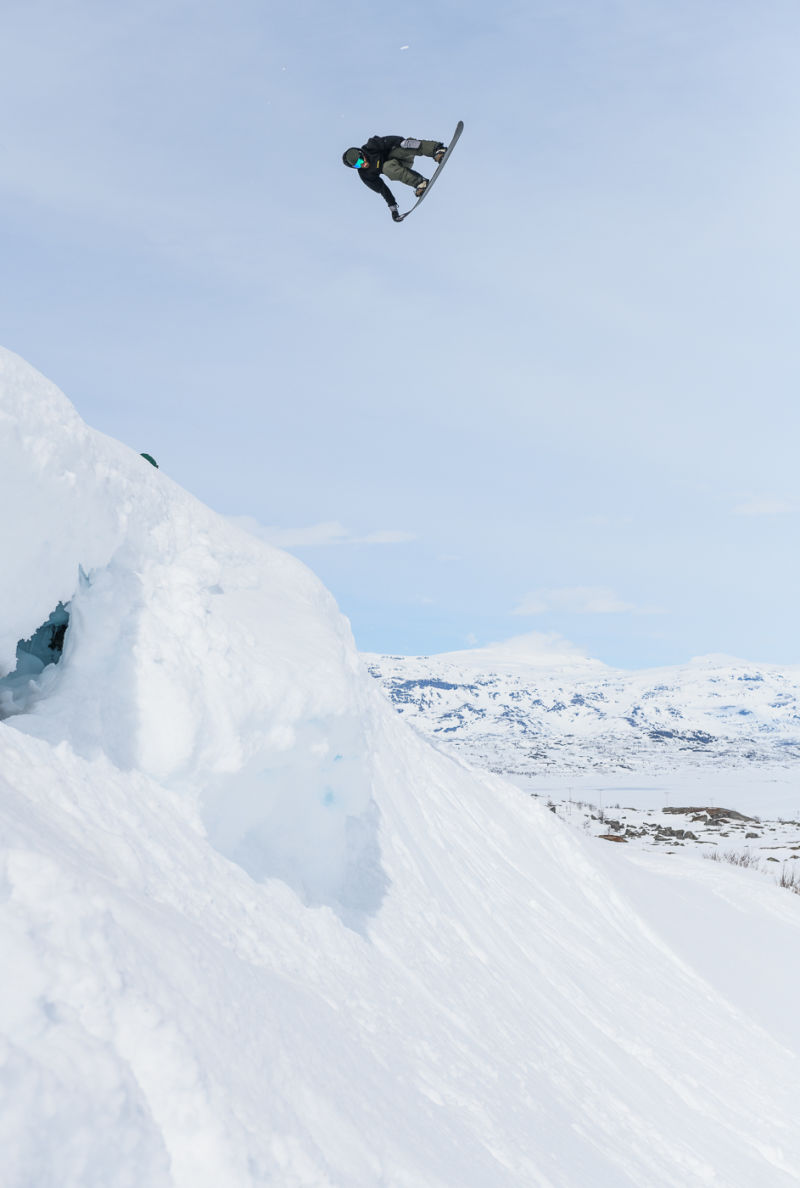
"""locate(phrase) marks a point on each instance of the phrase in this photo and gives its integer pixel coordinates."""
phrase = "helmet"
(351, 156)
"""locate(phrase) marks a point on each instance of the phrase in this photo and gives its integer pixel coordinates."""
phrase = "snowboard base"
(437, 170)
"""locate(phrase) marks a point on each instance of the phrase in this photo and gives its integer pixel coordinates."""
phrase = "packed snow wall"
(192, 651)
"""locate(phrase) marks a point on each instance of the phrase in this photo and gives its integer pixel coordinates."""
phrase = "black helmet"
(352, 156)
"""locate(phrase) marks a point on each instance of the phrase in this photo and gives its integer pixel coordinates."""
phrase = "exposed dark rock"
(714, 813)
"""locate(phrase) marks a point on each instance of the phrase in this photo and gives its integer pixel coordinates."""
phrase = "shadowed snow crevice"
(35, 671)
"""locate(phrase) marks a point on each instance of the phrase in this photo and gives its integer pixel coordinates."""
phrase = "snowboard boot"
(439, 153)
(421, 188)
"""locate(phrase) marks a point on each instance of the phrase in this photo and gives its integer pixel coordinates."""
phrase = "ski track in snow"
(261, 932)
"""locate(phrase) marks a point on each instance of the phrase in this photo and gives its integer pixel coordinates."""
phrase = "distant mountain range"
(520, 712)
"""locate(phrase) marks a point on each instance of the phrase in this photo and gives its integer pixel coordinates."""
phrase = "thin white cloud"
(764, 505)
(329, 532)
(579, 600)
(387, 536)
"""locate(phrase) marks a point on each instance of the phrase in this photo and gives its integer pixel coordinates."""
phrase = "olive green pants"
(398, 165)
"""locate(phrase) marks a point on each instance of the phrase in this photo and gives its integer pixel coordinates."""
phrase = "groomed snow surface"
(257, 931)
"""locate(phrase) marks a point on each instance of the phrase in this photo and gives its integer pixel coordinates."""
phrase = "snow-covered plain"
(256, 930)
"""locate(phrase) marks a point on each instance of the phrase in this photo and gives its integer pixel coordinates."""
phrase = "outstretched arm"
(379, 187)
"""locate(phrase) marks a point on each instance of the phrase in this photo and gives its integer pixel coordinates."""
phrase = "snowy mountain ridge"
(522, 717)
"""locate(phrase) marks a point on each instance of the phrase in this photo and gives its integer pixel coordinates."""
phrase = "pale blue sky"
(562, 397)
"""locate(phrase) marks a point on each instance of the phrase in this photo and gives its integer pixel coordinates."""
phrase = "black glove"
(398, 218)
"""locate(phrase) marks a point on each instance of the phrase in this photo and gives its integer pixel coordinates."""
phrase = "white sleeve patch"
(410, 144)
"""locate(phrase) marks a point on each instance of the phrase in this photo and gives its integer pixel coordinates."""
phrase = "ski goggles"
(357, 164)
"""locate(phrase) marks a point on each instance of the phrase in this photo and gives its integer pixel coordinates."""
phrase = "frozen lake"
(766, 792)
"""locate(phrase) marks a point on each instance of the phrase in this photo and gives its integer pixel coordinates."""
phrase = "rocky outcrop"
(710, 813)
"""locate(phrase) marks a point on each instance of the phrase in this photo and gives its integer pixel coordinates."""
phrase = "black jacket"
(375, 151)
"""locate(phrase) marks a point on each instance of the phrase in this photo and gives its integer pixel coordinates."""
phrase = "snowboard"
(437, 170)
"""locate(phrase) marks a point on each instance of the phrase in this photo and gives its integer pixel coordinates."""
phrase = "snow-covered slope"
(526, 712)
(255, 930)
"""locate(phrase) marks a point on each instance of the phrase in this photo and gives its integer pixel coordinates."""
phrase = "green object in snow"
(152, 461)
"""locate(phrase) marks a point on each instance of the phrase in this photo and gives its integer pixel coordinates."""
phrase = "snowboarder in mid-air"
(393, 156)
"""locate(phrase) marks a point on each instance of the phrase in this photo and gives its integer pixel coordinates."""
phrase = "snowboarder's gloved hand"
(396, 214)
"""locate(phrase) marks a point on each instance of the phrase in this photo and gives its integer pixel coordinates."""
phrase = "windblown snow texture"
(257, 931)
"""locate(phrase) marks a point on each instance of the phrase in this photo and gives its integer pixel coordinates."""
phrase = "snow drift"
(257, 931)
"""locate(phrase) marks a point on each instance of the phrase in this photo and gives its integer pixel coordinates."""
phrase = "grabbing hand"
(398, 218)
